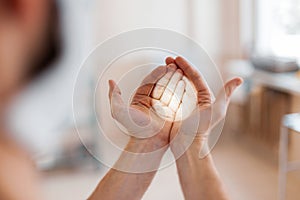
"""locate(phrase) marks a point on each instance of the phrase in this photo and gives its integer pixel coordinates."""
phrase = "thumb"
(219, 108)
(134, 120)
(115, 98)
(230, 86)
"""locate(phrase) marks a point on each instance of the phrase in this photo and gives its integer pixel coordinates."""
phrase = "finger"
(178, 116)
(150, 80)
(192, 74)
(189, 99)
(169, 60)
(177, 96)
(161, 85)
(115, 98)
(186, 108)
(170, 89)
(143, 92)
(113, 88)
(222, 101)
(231, 85)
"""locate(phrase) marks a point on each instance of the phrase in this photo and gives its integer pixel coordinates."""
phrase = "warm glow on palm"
(169, 100)
(174, 97)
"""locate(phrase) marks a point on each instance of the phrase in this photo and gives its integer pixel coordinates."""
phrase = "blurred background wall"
(43, 113)
(230, 31)
(258, 40)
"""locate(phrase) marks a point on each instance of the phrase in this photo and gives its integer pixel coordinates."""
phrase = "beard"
(49, 49)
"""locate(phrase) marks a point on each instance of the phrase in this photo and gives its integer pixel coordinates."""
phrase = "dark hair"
(51, 45)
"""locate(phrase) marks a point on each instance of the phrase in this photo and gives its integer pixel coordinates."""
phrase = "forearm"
(198, 177)
(118, 185)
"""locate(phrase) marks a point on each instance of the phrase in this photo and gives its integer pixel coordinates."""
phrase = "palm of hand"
(174, 97)
(179, 94)
(139, 118)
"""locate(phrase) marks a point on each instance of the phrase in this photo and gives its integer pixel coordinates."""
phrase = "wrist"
(187, 143)
(141, 155)
(146, 145)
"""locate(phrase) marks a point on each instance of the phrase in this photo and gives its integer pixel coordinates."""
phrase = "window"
(277, 27)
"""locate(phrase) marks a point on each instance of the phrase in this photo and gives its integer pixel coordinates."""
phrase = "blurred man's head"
(28, 41)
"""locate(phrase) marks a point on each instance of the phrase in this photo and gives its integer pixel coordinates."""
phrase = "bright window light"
(278, 27)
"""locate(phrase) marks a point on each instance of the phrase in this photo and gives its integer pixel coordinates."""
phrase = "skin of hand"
(207, 113)
(140, 119)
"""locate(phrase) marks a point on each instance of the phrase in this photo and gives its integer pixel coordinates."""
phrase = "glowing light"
(175, 99)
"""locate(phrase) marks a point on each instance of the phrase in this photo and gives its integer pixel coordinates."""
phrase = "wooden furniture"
(289, 122)
(271, 97)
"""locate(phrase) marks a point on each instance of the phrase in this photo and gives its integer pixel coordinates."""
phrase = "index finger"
(161, 85)
(150, 80)
(142, 94)
(169, 60)
(192, 74)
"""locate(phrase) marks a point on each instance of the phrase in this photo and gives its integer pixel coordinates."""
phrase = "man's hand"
(140, 119)
(207, 114)
(134, 170)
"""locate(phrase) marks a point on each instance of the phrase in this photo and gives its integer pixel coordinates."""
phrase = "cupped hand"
(173, 104)
(139, 118)
(207, 113)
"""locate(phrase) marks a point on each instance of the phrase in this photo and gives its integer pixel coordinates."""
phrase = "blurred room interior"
(258, 40)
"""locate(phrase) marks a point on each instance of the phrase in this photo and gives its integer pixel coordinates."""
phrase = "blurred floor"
(246, 174)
